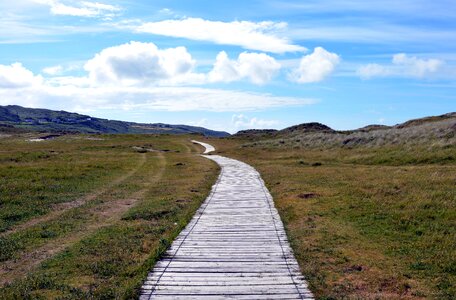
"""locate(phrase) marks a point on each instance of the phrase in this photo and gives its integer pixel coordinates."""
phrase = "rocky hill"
(17, 117)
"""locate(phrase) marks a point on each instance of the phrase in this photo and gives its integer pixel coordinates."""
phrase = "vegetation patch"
(105, 248)
(382, 225)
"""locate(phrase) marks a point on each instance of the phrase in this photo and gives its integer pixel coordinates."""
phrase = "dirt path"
(103, 215)
(60, 208)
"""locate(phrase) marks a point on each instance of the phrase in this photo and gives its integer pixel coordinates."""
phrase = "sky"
(232, 65)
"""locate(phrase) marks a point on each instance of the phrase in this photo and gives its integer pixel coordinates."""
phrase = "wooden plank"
(235, 247)
(252, 296)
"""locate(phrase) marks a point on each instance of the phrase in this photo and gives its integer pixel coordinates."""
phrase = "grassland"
(369, 221)
(370, 214)
(87, 216)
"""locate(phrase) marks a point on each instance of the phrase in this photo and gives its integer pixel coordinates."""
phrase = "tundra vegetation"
(370, 213)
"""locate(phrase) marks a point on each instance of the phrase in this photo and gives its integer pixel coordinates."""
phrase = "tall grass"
(434, 134)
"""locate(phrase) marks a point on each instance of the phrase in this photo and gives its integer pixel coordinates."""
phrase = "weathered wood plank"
(235, 247)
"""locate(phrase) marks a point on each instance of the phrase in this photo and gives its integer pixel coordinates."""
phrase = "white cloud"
(402, 66)
(315, 67)
(81, 8)
(415, 66)
(54, 70)
(139, 63)
(263, 36)
(20, 86)
(224, 70)
(16, 76)
(243, 122)
(141, 77)
(259, 68)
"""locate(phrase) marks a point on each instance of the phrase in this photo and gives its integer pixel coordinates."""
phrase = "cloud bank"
(141, 76)
(402, 65)
(20, 86)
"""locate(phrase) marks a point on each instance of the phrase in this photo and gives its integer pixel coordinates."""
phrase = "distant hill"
(436, 130)
(306, 127)
(18, 117)
(259, 133)
(373, 127)
(432, 119)
(296, 129)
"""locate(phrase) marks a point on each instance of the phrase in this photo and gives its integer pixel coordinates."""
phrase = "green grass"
(104, 248)
(381, 223)
(36, 176)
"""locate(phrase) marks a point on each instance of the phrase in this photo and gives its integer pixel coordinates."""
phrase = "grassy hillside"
(86, 217)
(60, 121)
(373, 218)
(436, 132)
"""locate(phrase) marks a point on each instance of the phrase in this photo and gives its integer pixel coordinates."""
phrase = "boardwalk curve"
(235, 247)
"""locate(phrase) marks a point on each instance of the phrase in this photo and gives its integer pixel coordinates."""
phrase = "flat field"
(86, 216)
(364, 222)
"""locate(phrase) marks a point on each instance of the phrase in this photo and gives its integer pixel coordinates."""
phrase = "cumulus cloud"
(402, 66)
(81, 8)
(139, 63)
(315, 67)
(262, 36)
(17, 76)
(241, 121)
(259, 68)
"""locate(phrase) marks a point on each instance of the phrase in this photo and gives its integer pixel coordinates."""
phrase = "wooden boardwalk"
(235, 247)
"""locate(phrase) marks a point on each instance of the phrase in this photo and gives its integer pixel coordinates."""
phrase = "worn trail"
(61, 208)
(235, 247)
(103, 215)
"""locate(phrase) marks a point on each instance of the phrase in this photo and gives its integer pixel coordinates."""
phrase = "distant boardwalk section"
(235, 247)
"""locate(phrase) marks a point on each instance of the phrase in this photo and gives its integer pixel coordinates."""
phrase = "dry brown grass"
(440, 133)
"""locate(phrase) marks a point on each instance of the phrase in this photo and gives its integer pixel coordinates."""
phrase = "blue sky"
(231, 65)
